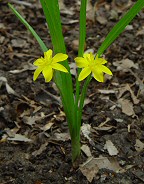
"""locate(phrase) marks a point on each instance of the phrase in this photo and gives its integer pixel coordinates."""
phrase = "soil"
(29, 109)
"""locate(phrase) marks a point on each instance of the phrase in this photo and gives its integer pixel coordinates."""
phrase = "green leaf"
(63, 80)
(120, 26)
(82, 31)
(41, 43)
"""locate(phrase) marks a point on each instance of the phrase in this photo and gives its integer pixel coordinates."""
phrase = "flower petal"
(105, 69)
(84, 73)
(47, 73)
(39, 62)
(100, 60)
(98, 74)
(48, 54)
(91, 56)
(81, 62)
(59, 57)
(59, 67)
(37, 72)
(86, 56)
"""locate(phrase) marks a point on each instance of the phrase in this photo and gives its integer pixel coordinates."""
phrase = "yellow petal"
(91, 56)
(39, 62)
(86, 56)
(98, 76)
(105, 69)
(98, 73)
(59, 67)
(81, 62)
(59, 57)
(47, 73)
(48, 54)
(100, 60)
(84, 73)
(37, 72)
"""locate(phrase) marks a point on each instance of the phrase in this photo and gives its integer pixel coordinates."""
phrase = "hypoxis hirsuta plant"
(56, 66)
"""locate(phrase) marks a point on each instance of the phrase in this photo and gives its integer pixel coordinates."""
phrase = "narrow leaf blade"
(120, 26)
(41, 43)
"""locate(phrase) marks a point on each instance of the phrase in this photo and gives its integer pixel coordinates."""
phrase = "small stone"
(75, 45)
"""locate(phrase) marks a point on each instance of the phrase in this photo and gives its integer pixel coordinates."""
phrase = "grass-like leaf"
(63, 80)
(120, 26)
(41, 43)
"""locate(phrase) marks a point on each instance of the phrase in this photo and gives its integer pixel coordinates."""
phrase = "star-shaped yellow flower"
(92, 65)
(47, 65)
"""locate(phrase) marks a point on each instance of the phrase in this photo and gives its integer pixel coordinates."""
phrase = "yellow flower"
(92, 65)
(47, 64)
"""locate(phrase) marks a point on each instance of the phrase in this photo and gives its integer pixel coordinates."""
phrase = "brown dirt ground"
(27, 162)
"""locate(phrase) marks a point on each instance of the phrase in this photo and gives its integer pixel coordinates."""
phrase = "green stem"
(82, 97)
(76, 131)
(76, 147)
(76, 134)
(82, 35)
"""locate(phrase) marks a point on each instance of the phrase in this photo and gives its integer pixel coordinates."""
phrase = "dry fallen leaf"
(40, 150)
(106, 128)
(25, 67)
(29, 120)
(139, 146)
(139, 174)
(101, 20)
(22, 3)
(111, 164)
(86, 130)
(140, 32)
(61, 4)
(112, 150)
(103, 126)
(64, 9)
(3, 81)
(125, 65)
(19, 43)
(73, 68)
(113, 15)
(107, 91)
(19, 137)
(11, 132)
(62, 136)
(127, 107)
(86, 150)
(138, 82)
(47, 126)
(126, 87)
(9, 89)
(2, 38)
(87, 101)
(90, 12)
(121, 6)
(91, 167)
(129, 27)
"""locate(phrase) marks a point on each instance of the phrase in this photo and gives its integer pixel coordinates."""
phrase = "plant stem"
(75, 138)
(76, 147)
(82, 35)
(83, 95)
